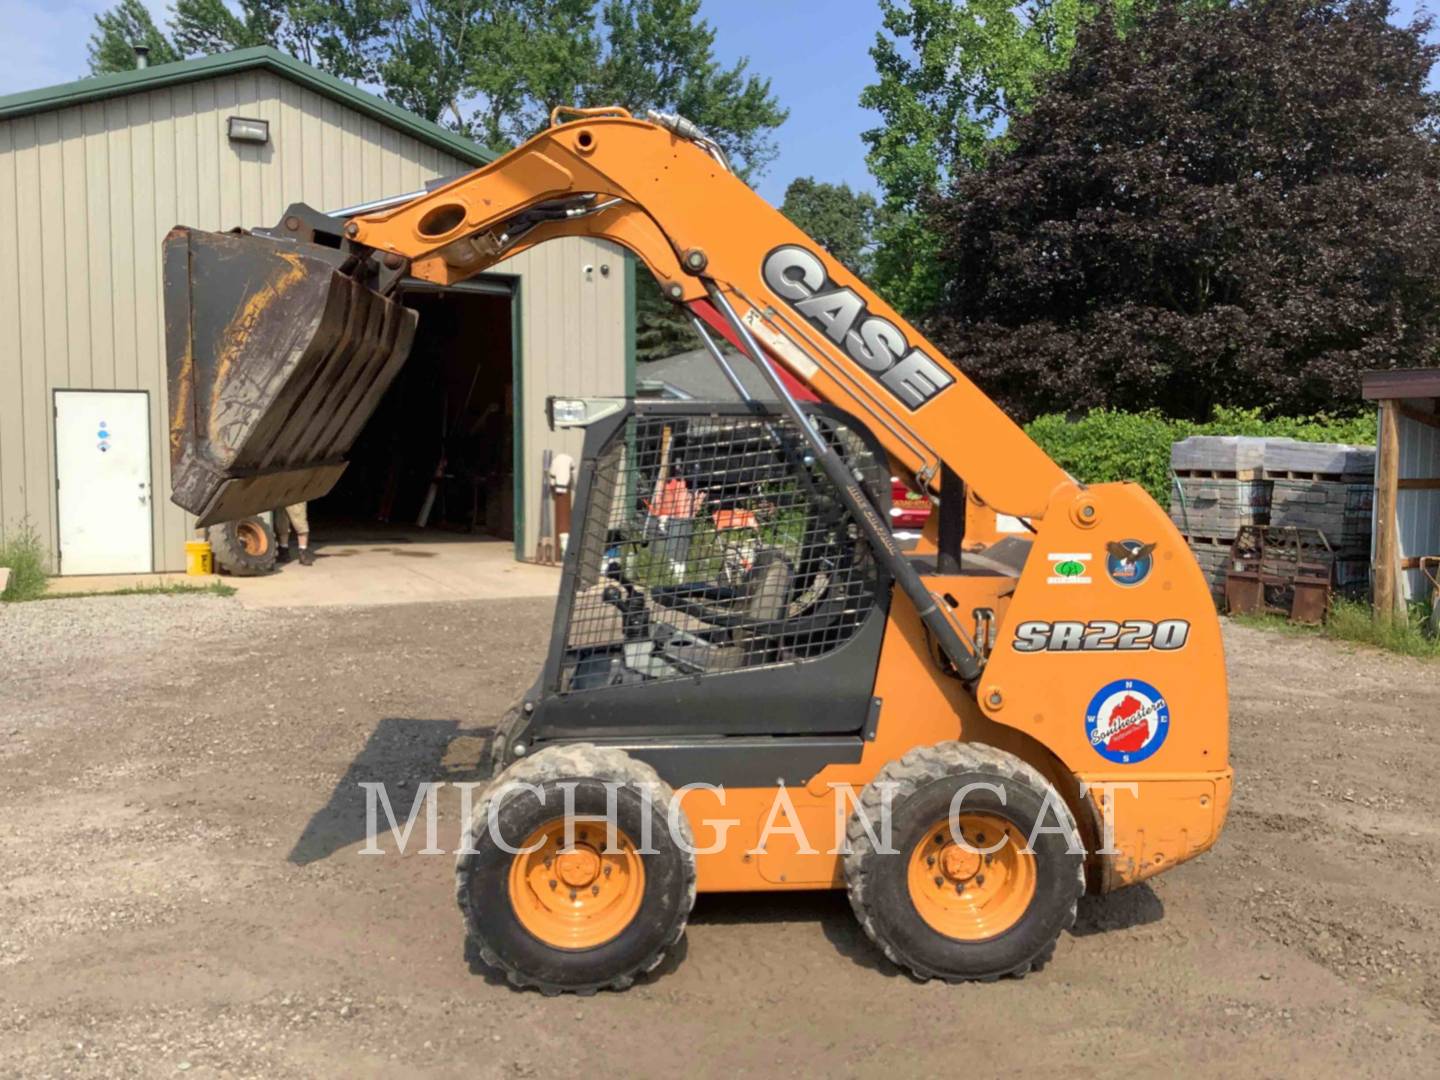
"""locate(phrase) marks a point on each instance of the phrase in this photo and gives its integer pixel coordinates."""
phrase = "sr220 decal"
(1133, 635)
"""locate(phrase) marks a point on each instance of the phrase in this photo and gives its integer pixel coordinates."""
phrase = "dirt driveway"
(181, 889)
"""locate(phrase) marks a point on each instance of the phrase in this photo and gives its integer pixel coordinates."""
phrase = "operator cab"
(709, 542)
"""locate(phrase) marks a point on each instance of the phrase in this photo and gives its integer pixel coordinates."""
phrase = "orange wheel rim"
(578, 897)
(252, 538)
(973, 883)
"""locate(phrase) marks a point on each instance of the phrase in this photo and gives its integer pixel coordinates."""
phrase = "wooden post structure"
(1385, 570)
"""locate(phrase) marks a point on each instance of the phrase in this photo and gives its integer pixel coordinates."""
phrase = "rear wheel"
(967, 890)
(591, 914)
(244, 548)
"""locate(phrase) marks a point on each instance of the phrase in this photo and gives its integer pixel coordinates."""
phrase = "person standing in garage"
(294, 517)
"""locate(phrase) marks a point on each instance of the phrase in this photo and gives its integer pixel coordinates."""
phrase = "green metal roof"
(262, 58)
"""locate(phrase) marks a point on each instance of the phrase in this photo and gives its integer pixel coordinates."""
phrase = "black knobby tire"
(244, 548)
(482, 871)
(498, 752)
(924, 782)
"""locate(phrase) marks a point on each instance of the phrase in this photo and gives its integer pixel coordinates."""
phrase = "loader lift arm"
(652, 188)
(658, 188)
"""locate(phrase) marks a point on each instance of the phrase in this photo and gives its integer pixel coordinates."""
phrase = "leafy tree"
(660, 54)
(839, 219)
(119, 30)
(952, 76)
(1233, 205)
(661, 328)
(209, 26)
(491, 69)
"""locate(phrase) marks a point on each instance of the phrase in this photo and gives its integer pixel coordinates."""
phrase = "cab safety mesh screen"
(713, 544)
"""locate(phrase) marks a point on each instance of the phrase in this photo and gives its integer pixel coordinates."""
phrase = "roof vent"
(142, 56)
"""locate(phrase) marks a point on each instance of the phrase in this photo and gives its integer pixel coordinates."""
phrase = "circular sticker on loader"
(1129, 562)
(1127, 721)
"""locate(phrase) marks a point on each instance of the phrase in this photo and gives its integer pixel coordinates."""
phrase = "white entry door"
(102, 466)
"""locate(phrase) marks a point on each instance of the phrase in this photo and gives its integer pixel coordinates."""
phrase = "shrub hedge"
(1106, 445)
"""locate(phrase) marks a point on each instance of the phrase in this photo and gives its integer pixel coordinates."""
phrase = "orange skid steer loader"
(749, 685)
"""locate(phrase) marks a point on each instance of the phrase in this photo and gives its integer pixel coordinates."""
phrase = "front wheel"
(583, 909)
(967, 889)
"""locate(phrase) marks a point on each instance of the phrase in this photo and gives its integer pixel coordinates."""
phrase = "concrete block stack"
(1219, 488)
(1223, 483)
(1330, 487)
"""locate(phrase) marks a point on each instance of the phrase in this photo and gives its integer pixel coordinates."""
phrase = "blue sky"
(816, 54)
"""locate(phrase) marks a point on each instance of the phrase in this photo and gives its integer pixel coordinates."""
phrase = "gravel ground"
(182, 891)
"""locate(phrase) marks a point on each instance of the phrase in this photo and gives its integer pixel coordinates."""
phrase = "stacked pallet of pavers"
(1223, 483)
(1219, 488)
(1329, 487)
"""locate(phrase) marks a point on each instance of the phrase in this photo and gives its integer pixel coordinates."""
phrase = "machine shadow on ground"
(401, 754)
(1135, 905)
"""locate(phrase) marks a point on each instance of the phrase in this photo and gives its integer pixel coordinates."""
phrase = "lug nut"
(939, 880)
(930, 860)
(552, 883)
(594, 890)
(979, 879)
(573, 894)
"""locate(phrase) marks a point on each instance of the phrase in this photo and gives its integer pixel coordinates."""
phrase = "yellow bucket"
(199, 562)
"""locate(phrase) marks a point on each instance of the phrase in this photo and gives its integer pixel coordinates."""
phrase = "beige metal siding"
(87, 193)
(573, 343)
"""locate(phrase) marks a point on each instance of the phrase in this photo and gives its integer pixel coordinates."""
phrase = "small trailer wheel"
(244, 548)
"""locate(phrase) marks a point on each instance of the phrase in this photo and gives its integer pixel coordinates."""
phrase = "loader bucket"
(276, 359)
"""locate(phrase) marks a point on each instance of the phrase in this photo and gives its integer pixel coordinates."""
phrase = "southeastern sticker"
(1068, 568)
(1127, 721)
(1129, 562)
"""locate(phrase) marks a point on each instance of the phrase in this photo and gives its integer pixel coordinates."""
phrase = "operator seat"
(725, 627)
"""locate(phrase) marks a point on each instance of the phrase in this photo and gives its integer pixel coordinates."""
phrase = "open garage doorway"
(436, 460)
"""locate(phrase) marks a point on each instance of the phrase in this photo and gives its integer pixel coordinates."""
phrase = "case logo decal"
(1127, 721)
(799, 278)
(1129, 562)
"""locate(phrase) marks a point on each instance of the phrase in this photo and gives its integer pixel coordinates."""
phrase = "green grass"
(215, 588)
(24, 555)
(22, 552)
(1349, 620)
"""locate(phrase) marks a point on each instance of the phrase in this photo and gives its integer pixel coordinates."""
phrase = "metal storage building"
(94, 173)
